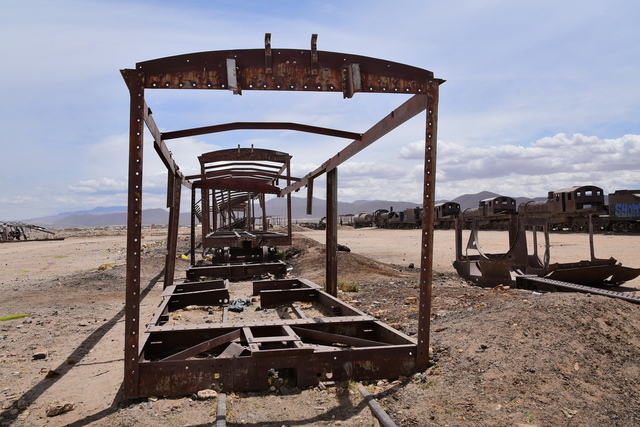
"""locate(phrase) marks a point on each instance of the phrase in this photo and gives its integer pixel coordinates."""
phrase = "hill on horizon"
(117, 215)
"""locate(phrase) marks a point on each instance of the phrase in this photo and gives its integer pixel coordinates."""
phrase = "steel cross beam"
(415, 105)
(260, 126)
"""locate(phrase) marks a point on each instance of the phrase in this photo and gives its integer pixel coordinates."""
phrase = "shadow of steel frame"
(282, 70)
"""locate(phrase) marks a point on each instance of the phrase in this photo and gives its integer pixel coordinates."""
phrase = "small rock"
(43, 354)
(411, 300)
(57, 408)
(52, 374)
(206, 394)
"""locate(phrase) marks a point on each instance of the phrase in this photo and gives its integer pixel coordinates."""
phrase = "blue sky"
(540, 95)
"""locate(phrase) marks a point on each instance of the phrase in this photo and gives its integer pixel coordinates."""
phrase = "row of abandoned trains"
(566, 209)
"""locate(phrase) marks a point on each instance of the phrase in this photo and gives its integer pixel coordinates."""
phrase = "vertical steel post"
(332, 233)
(193, 225)
(174, 225)
(135, 82)
(426, 263)
(206, 213)
(289, 226)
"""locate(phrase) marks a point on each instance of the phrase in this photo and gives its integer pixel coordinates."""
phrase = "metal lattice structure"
(348, 344)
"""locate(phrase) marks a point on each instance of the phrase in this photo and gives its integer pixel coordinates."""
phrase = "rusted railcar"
(491, 213)
(408, 218)
(363, 219)
(446, 214)
(567, 208)
(381, 218)
(623, 212)
(337, 341)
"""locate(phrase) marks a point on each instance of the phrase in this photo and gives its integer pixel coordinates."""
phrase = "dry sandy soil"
(501, 357)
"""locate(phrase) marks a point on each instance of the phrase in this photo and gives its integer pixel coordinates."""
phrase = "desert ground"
(501, 357)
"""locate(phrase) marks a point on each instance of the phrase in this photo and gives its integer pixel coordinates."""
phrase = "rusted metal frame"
(173, 202)
(270, 285)
(255, 174)
(159, 317)
(225, 240)
(251, 164)
(357, 333)
(204, 297)
(207, 217)
(263, 207)
(291, 70)
(410, 108)
(221, 197)
(192, 259)
(331, 266)
(260, 126)
(273, 298)
(336, 338)
(248, 373)
(239, 184)
(135, 81)
(337, 306)
(237, 271)
(204, 346)
(241, 166)
(591, 247)
(228, 174)
(247, 212)
(309, 196)
(428, 217)
(243, 155)
(289, 179)
(315, 322)
(161, 148)
(196, 286)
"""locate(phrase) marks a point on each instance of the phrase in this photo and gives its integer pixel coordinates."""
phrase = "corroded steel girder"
(285, 70)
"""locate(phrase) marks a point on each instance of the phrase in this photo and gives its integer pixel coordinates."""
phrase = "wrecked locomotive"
(570, 208)
(408, 218)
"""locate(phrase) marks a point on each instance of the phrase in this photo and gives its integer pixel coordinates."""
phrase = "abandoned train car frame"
(159, 360)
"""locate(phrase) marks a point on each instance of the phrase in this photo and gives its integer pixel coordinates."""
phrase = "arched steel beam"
(260, 125)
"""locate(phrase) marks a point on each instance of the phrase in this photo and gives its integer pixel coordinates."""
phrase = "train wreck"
(521, 263)
(12, 231)
(309, 334)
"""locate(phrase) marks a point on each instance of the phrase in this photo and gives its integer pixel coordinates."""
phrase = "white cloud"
(548, 164)
(104, 185)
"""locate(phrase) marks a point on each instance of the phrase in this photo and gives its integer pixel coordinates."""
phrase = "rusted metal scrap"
(492, 269)
(337, 341)
(236, 238)
(12, 231)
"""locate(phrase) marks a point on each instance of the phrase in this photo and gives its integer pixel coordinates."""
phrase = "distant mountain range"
(117, 215)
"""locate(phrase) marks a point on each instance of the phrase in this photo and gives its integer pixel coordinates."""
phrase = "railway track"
(549, 285)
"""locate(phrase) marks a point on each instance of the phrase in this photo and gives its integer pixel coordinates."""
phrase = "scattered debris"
(238, 305)
(207, 394)
(57, 408)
